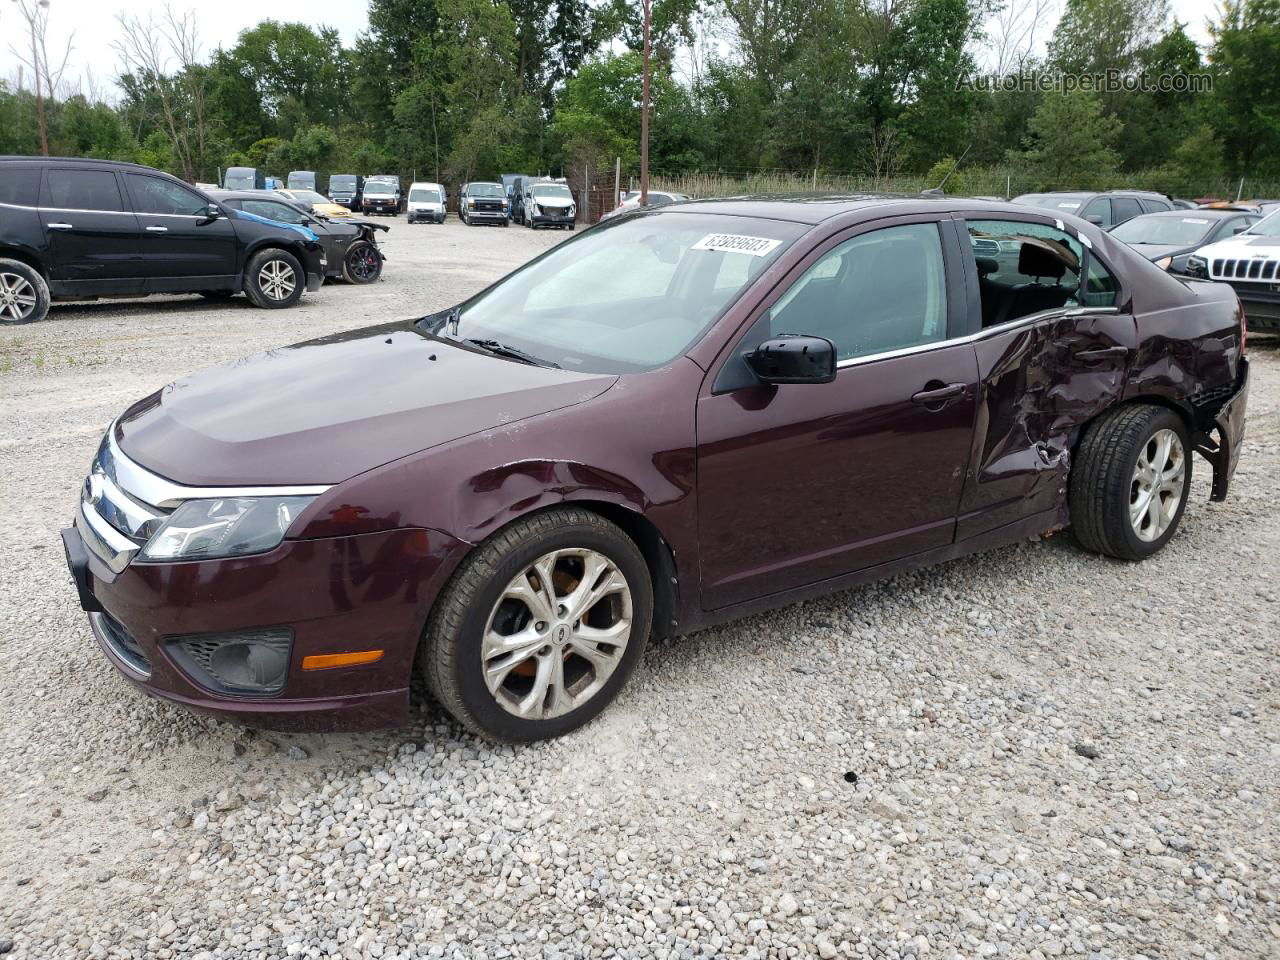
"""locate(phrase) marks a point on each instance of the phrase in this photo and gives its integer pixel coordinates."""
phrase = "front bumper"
(1228, 422)
(337, 595)
(381, 206)
(1261, 303)
(430, 216)
(551, 219)
(497, 216)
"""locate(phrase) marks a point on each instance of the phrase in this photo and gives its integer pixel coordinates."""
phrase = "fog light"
(252, 663)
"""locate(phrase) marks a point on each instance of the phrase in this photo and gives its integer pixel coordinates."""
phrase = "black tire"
(506, 222)
(24, 295)
(1103, 484)
(255, 283)
(362, 263)
(217, 294)
(572, 225)
(451, 643)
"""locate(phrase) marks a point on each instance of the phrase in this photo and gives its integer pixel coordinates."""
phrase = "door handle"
(58, 226)
(939, 394)
(157, 229)
(1102, 353)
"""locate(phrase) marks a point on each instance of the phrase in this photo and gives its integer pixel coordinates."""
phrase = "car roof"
(815, 208)
(88, 161)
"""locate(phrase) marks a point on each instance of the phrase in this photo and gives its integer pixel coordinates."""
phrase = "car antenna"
(938, 191)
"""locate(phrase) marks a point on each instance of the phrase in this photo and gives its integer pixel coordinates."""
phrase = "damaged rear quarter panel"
(1037, 389)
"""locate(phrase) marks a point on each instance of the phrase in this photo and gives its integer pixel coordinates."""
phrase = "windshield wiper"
(499, 349)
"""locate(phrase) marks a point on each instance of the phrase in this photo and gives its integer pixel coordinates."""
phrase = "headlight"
(203, 529)
(573, 209)
(471, 203)
(1164, 263)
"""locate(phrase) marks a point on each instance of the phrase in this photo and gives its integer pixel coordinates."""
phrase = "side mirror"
(794, 358)
(209, 214)
(1095, 219)
(1239, 228)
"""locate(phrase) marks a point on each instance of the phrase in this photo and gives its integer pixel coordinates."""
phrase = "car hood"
(328, 409)
(1243, 245)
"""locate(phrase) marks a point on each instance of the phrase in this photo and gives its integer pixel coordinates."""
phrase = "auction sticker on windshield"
(736, 243)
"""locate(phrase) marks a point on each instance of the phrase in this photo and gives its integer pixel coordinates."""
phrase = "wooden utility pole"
(647, 7)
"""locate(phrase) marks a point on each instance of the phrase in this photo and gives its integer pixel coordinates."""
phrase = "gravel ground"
(1031, 753)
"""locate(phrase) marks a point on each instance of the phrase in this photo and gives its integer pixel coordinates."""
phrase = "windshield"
(485, 190)
(308, 196)
(549, 190)
(424, 196)
(1050, 201)
(240, 181)
(342, 182)
(1267, 226)
(379, 189)
(1174, 231)
(628, 295)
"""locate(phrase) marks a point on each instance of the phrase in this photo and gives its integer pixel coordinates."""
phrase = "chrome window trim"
(151, 488)
(1026, 321)
(23, 206)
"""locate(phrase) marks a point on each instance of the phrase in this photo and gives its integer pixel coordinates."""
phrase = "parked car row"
(76, 229)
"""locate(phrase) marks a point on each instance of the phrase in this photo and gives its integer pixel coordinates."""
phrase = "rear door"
(94, 238)
(184, 249)
(1053, 349)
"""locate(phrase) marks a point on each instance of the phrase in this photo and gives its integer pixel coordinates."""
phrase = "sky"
(222, 21)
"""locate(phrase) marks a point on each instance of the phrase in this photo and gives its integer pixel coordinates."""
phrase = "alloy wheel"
(557, 633)
(277, 280)
(1156, 490)
(17, 297)
(363, 262)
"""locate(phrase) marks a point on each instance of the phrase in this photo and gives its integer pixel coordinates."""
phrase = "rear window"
(19, 184)
(84, 190)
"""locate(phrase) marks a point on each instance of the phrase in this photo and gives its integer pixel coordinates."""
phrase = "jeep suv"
(81, 229)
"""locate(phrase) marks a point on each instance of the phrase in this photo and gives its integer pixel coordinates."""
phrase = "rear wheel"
(24, 296)
(1130, 482)
(362, 263)
(540, 627)
(274, 279)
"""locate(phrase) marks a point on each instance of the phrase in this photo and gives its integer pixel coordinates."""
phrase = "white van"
(426, 203)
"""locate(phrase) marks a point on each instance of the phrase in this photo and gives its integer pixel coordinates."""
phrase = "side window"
(1154, 206)
(273, 211)
(154, 195)
(1098, 207)
(1101, 289)
(20, 184)
(884, 290)
(84, 190)
(1124, 208)
(1023, 268)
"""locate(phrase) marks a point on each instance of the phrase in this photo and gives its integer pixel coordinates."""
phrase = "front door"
(802, 483)
(93, 236)
(183, 246)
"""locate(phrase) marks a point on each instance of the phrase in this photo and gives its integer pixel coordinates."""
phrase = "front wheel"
(24, 296)
(1130, 482)
(362, 263)
(540, 626)
(274, 279)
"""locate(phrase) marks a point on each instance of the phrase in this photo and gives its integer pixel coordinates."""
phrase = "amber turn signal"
(327, 661)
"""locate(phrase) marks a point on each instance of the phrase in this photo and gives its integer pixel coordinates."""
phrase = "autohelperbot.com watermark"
(1103, 81)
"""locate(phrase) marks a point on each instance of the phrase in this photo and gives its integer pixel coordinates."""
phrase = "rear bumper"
(336, 595)
(1228, 422)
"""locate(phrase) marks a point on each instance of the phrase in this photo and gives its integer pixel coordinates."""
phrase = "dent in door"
(1038, 385)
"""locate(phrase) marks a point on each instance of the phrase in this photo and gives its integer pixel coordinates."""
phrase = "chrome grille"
(1253, 268)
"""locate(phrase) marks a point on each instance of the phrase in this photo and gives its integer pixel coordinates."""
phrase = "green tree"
(1245, 57)
(1070, 143)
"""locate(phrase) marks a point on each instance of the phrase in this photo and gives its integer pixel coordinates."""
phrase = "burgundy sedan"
(681, 416)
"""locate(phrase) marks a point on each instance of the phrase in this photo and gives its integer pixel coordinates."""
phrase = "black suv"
(1101, 209)
(79, 229)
